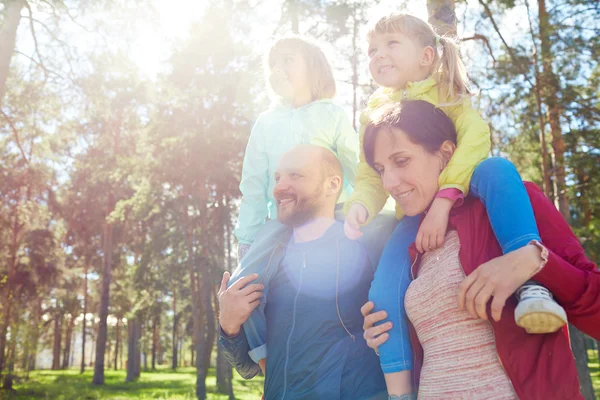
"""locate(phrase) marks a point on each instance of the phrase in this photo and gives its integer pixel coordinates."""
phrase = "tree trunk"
(118, 341)
(198, 339)
(68, 335)
(355, 52)
(154, 342)
(35, 335)
(292, 8)
(442, 16)
(85, 299)
(145, 348)
(551, 89)
(224, 371)
(7, 300)
(104, 298)
(12, 348)
(579, 348)
(175, 320)
(8, 36)
(133, 349)
(57, 339)
(211, 327)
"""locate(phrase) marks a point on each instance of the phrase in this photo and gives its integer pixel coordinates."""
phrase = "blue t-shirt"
(312, 355)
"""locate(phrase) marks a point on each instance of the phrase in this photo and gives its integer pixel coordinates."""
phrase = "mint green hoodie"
(278, 130)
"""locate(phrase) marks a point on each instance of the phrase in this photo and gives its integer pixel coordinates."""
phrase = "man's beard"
(304, 210)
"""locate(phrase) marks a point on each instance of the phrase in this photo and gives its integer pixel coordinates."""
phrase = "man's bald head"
(323, 159)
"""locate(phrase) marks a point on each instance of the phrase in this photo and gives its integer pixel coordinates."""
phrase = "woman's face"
(409, 172)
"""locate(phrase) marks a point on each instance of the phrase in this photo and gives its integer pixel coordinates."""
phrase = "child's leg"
(263, 258)
(387, 291)
(498, 184)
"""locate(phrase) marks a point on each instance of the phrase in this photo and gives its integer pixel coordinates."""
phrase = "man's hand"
(357, 215)
(374, 335)
(432, 231)
(498, 278)
(237, 302)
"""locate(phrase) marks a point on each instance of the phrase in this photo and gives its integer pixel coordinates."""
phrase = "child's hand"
(357, 215)
(433, 228)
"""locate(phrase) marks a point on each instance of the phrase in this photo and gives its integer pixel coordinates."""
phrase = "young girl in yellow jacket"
(408, 60)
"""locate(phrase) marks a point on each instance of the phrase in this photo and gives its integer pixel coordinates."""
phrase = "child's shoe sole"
(538, 316)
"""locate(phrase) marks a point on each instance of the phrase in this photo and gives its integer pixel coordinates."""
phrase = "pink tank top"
(460, 359)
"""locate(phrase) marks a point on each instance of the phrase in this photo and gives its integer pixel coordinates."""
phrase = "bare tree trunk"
(7, 301)
(224, 371)
(67, 350)
(292, 8)
(121, 353)
(551, 89)
(442, 16)
(104, 297)
(154, 341)
(133, 349)
(57, 339)
(580, 352)
(355, 52)
(546, 184)
(8, 37)
(118, 341)
(12, 348)
(175, 321)
(85, 299)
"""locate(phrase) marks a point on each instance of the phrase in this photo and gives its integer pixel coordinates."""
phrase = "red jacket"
(539, 366)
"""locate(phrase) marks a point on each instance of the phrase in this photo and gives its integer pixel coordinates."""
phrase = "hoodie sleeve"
(346, 146)
(235, 349)
(254, 187)
(368, 188)
(473, 145)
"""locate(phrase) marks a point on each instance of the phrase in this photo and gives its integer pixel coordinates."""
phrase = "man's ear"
(334, 186)
(446, 151)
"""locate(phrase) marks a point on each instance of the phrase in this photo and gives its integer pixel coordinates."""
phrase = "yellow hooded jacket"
(473, 145)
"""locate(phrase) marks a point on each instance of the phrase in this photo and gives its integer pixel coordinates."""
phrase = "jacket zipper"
(337, 281)
(287, 350)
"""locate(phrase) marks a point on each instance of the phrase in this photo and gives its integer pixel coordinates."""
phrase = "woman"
(459, 352)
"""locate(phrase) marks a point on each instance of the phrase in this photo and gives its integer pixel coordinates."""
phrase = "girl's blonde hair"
(446, 63)
(320, 75)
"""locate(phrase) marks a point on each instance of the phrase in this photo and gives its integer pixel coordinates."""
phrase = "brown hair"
(446, 62)
(321, 74)
(422, 122)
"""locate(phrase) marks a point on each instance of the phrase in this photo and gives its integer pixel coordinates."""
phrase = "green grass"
(162, 384)
(595, 371)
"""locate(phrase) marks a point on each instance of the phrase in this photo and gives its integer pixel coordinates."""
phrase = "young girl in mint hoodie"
(301, 81)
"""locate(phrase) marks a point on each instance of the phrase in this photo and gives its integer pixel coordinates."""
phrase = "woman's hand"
(237, 302)
(432, 231)
(498, 278)
(374, 335)
(357, 215)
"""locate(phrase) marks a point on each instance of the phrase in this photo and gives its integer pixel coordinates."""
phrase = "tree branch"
(485, 40)
(35, 42)
(16, 134)
(513, 57)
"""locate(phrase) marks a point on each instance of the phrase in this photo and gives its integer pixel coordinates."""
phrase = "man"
(314, 330)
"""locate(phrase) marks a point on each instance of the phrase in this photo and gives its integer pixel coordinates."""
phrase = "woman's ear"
(446, 151)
